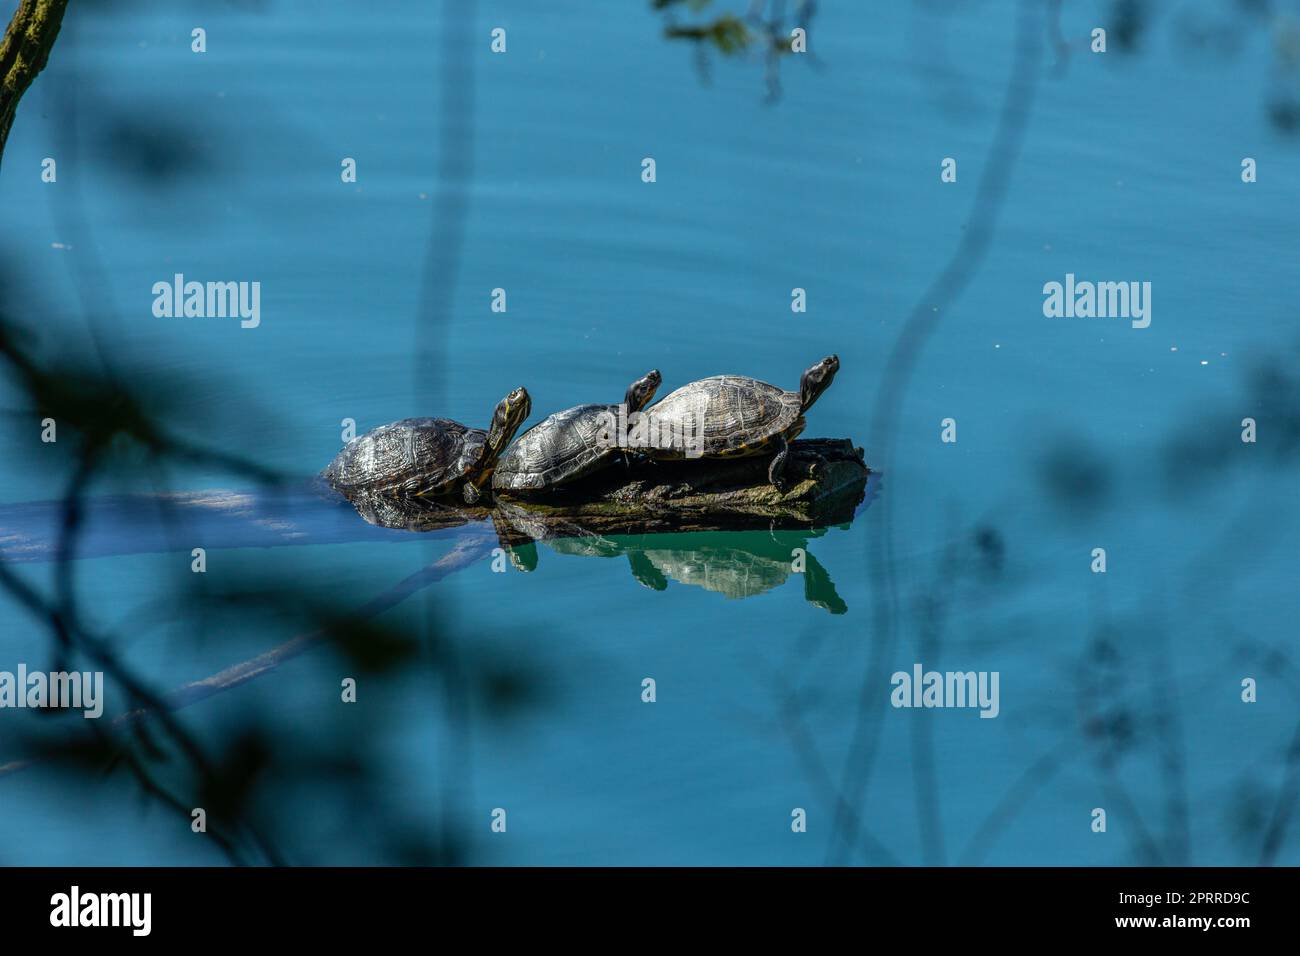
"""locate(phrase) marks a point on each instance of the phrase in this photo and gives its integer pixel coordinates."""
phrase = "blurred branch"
(1033, 778)
(926, 315)
(815, 770)
(24, 52)
(1286, 800)
(727, 33)
(469, 549)
(761, 30)
(466, 551)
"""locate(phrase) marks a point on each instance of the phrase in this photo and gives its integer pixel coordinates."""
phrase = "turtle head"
(642, 391)
(816, 380)
(510, 414)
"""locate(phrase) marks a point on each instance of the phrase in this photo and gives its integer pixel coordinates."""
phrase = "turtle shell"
(560, 448)
(741, 415)
(416, 456)
(732, 572)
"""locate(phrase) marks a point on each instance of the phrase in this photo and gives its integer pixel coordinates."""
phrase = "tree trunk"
(23, 53)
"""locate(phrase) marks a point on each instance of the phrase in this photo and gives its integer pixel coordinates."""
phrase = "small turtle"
(569, 444)
(428, 456)
(733, 416)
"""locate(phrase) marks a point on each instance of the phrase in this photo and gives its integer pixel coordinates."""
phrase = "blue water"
(1119, 691)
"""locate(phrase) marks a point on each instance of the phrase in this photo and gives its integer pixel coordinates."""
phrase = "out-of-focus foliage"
(765, 30)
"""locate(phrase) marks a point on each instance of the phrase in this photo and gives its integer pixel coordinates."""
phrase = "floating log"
(636, 512)
(829, 481)
(643, 498)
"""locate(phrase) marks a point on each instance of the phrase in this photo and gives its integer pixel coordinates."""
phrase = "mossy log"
(829, 481)
(24, 51)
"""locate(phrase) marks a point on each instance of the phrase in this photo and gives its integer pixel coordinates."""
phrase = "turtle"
(428, 456)
(734, 416)
(569, 444)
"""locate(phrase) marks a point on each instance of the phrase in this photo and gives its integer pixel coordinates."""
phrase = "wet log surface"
(828, 481)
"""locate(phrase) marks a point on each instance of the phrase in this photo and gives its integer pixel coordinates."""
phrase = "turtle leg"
(471, 493)
(636, 459)
(819, 464)
(645, 572)
(522, 549)
(776, 470)
(819, 589)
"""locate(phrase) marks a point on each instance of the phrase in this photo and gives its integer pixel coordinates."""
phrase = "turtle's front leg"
(471, 493)
(637, 459)
(776, 470)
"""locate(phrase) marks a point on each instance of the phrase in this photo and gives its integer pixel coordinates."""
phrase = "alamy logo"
(923, 688)
(1101, 300)
(209, 300)
(634, 430)
(76, 690)
(103, 909)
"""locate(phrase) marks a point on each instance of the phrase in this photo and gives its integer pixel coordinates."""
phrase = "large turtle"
(569, 444)
(733, 416)
(428, 456)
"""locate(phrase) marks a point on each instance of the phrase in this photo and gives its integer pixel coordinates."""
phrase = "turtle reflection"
(735, 564)
(423, 515)
(716, 525)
